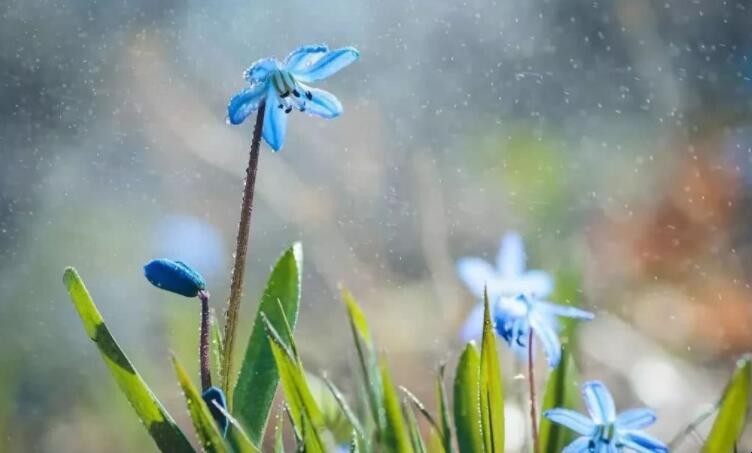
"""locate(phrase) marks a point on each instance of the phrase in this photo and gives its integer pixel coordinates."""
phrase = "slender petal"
(537, 283)
(473, 327)
(320, 103)
(260, 70)
(275, 120)
(635, 418)
(244, 103)
(580, 445)
(546, 333)
(563, 310)
(510, 261)
(572, 420)
(599, 402)
(327, 65)
(304, 56)
(476, 273)
(641, 442)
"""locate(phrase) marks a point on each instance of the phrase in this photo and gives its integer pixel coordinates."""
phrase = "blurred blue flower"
(212, 395)
(514, 317)
(604, 431)
(190, 239)
(174, 276)
(283, 86)
(509, 279)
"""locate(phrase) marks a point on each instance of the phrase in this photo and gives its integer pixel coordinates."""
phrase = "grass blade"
(467, 419)
(217, 346)
(412, 427)
(443, 404)
(153, 415)
(732, 414)
(395, 436)
(491, 391)
(562, 390)
(357, 428)
(258, 379)
(206, 428)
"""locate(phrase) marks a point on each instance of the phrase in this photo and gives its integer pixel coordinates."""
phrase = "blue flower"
(212, 395)
(509, 279)
(605, 431)
(174, 276)
(514, 317)
(283, 85)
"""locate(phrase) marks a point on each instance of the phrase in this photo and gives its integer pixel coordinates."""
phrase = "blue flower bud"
(211, 395)
(174, 276)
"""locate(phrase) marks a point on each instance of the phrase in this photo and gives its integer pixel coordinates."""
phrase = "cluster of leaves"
(321, 418)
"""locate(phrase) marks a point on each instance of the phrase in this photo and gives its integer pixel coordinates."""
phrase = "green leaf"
(217, 346)
(257, 382)
(732, 414)
(467, 401)
(368, 362)
(238, 438)
(491, 392)
(435, 428)
(153, 415)
(279, 443)
(412, 427)
(395, 436)
(357, 428)
(562, 390)
(206, 428)
(443, 404)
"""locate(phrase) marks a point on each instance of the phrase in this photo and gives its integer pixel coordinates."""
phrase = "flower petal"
(473, 327)
(642, 443)
(320, 103)
(212, 396)
(635, 418)
(275, 120)
(475, 273)
(580, 445)
(572, 420)
(327, 65)
(545, 330)
(563, 310)
(260, 70)
(599, 402)
(244, 103)
(537, 283)
(304, 56)
(510, 261)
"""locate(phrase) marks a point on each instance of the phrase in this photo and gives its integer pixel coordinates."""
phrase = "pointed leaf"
(206, 428)
(443, 404)
(412, 427)
(238, 438)
(395, 436)
(467, 401)
(153, 415)
(562, 390)
(491, 392)
(217, 346)
(732, 414)
(258, 378)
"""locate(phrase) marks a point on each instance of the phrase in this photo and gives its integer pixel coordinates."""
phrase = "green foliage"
(158, 422)
(395, 435)
(562, 390)
(206, 428)
(257, 382)
(467, 401)
(491, 392)
(443, 405)
(732, 414)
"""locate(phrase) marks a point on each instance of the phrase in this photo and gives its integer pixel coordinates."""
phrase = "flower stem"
(241, 249)
(531, 381)
(203, 347)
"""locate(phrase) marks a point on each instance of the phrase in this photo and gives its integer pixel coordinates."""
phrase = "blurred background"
(616, 137)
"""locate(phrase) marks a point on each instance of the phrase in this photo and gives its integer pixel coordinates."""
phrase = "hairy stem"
(203, 347)
(531, 381)
(241, 249)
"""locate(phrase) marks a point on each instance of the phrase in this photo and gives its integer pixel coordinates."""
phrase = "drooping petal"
(473, 327)
(635, 418)
(261, 69)
(563, 310)
(275, 120)
(304, 56)
(572, 420)
(246, 102)
(537, 283)
(599, 402)
(580, 445)
(642, 442)
(545, 331)
(475, 273)
(510, 260)
(320, 103)
(327, 65)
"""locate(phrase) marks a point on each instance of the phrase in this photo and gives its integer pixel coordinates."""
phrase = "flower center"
(604, 434)
(286, 85)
